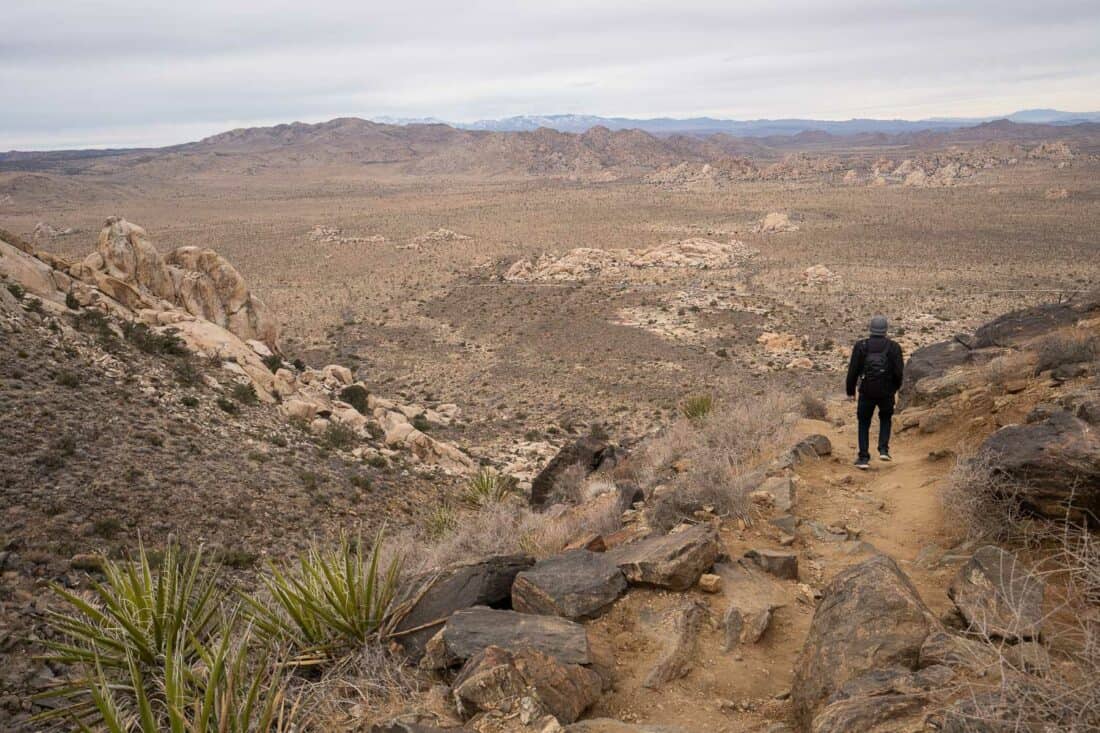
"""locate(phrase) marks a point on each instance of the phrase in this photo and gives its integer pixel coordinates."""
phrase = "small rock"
(710, 583)
(778, 563)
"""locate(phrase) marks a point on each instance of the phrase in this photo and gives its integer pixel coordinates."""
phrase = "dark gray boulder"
(471, 631)
(674, 561)
(870, 617)
(428, 600)
(1053, 465)
(1013, 328)
(576, 585)
(780, 563)
(881, 701)
(588, 453)
(999, 596)
(932, 361)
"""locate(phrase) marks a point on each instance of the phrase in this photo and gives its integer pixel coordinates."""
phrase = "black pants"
(865, 410)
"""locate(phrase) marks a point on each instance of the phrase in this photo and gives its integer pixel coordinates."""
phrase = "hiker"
(876, 365)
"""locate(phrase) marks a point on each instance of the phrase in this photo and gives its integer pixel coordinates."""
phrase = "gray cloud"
(115, 72)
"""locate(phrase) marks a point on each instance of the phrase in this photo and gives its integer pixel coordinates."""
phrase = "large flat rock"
(471, 631)
(870, 617)
(674, 561)
(433, 597)
(576, 585)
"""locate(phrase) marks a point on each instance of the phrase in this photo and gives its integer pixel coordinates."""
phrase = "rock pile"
(774, 223)
(435, 237)
(584, 262)
(333, 235)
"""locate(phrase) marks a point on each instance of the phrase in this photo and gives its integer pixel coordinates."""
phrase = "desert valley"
(583, 393)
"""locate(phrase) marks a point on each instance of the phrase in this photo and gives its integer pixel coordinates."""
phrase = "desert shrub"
(1058, 349)
(71, 302)
(245, 393)
(338, 436)
(333, 601)
(706, 462)
(814, 407)
(145, 339)
(984, 504)
(16, 290)
(228, 406)
(96, 323)
(488, 487)
(697, 407)
(189, 401)
(441, 522)
(67, 379)
(421, 423)
(274, 362)
(356, 395)
(187, 373)
(372, 684)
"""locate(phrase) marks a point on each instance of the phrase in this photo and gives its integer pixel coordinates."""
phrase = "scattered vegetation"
(338, 436)
(189, 401)
(16, 290)
(813, 407)
(71, 302)
(67, 379)
(245, 393)
(228, 406)
(488, 487)
(187, 373)
(356, 395)
(697, 407)
(1059, 349)
(441, 522)
(274, 362)
(163, 343)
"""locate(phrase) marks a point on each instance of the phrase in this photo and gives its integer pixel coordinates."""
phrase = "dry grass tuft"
(1066, 348)
(813, 407)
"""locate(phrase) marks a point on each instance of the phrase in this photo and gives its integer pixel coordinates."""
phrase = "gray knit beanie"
(878, 326)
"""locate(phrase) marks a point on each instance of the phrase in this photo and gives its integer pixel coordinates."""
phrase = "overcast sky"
(93, 73)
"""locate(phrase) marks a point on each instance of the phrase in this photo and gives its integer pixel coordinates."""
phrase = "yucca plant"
(134, 618)
(333, 600)
(153, 651)
(224, 692)
(488, 487)
(697, 407)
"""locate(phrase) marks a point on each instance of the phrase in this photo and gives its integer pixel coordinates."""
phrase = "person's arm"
(855, 368)
(897, 359)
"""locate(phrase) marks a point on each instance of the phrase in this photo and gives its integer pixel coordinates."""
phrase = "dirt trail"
(894, 508)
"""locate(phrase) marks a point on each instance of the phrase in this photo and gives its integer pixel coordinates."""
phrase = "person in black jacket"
(876, 366)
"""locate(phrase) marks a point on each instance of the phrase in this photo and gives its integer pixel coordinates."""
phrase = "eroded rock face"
(1054, 462)
(999, 596)
(881, 701)
(870, 617)
(575, 585)
(127, 266)
(585, 453)
(674, 561)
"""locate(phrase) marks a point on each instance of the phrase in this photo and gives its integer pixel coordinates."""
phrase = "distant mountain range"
(748, 128)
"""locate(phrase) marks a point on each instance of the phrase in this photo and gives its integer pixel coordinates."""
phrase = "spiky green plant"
(224, 692)
(697, 407)
(440, 522)
(488, 487)
(332, 601)
(153, 651)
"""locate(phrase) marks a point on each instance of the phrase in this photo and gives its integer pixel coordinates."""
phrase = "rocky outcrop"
(775, 222)
(674, 561)
(526, 682)
(881, 701)
(998, 596)
(127, 266)
(870, 617)
(585, 454)
(575, 585)
(428, 600)
(1052, 465)
(584, 263)
(932, 361)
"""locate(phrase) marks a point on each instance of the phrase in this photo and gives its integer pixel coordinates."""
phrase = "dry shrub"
(363, 688)
(984, 504)
(1065, 348)
(1010, 366)
(717, 455)
(1013, 695)
(814, 407)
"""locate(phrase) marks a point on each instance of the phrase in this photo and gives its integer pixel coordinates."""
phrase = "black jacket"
(894, 361)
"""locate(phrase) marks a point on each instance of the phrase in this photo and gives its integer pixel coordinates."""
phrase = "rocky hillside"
(729, 573)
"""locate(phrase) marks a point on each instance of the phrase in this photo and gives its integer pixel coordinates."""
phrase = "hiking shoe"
(884, 456)
(862, 464)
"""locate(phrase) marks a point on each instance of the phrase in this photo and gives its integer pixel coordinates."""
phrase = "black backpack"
(876, 365)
